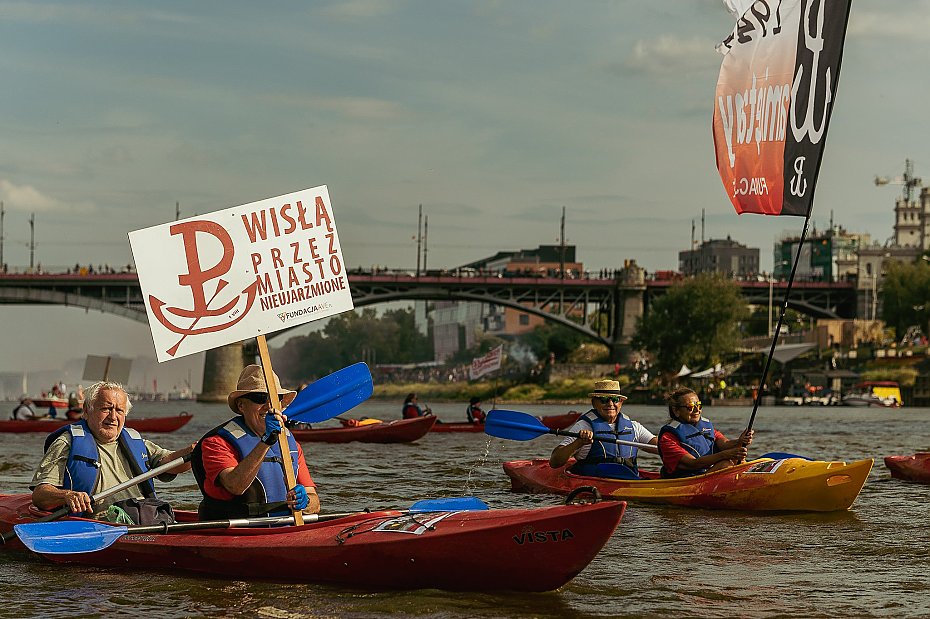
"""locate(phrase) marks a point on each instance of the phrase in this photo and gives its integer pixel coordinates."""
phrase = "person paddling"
(412, 408)
(690, 445)
(25, 411)
(604, 458)
(238, 464)
(474, 412)
(97, 453)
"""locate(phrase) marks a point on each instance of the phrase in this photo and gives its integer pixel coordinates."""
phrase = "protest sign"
(242, 272)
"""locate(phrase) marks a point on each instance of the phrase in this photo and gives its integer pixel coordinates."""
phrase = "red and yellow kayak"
(142, 424)
(397, 431)
(792, 484)
(912, 468)
(508, 549)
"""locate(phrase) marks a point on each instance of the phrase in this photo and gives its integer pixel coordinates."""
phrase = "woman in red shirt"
(690, 445)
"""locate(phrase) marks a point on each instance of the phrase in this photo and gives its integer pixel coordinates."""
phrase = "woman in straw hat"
(690, 445)
(238, 464)
(604, 458)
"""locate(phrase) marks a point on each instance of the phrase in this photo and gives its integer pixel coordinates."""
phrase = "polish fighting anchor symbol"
(195, 278)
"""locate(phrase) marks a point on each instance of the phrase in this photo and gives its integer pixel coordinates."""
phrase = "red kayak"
(560, 422)
(912, 468)
(502, 549)
(142, 424)
(397, 431)
(555, 422)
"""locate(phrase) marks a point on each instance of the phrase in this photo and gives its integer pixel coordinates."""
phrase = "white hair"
(90, 394)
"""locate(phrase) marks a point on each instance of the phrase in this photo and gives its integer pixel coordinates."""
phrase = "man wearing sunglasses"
(690, 445)
(603, 456)
(238, 465)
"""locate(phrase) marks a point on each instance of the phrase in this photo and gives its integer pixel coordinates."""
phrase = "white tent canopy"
(787, 352)
(684, 371)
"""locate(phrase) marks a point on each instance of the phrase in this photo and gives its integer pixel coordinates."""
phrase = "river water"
(871, 561)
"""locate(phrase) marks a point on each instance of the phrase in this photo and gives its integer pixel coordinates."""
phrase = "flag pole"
(781, 319)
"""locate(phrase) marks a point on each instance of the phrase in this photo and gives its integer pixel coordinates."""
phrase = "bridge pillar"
(628, 309)
(221, 369)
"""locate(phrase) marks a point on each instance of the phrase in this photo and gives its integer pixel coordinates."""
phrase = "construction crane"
(909, 181)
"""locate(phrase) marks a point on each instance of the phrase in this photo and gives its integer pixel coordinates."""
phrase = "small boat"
(397, 431)
(537, 549)
(765, 484)
(885, 393)
(142, 424)
(555, 422)
(50, 401)
(912, 468)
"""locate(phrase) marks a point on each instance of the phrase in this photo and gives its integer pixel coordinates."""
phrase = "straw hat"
(607, 387)
(252, 380)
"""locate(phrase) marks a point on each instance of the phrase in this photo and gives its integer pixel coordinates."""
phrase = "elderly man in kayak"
(690, 445)
(603, 456)
(97, 453)
(238, 464)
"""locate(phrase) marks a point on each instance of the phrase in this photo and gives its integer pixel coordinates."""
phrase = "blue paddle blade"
(780, 455)
(455, 504)
(68, 536)
(332, 395)
(514, 425)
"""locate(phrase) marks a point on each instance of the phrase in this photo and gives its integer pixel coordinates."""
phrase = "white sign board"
(246, 271)
(113, 369)
(487, 363)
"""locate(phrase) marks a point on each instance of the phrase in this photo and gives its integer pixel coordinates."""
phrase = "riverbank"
(568, 391)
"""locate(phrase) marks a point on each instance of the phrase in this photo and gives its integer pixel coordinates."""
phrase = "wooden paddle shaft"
(275, 402)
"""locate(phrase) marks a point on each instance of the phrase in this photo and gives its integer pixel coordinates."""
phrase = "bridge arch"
(435, 294)
(40, 296)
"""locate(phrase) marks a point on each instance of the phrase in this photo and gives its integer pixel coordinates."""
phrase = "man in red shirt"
(238, 464)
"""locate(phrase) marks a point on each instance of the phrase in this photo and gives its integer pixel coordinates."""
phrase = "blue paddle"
(331, 395)
(77, 536)
(518, 426)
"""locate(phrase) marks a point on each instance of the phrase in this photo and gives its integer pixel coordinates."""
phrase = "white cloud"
(26, 198)
(670, 55)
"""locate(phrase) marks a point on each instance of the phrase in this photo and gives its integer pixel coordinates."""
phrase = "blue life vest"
(606, 459)
(268, 491)
(698, 441)
(83, 466)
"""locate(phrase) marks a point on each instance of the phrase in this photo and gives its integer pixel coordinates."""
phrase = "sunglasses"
(609, 398)
(694, 406)
(256, 397)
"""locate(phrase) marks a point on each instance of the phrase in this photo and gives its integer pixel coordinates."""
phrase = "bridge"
(604, 309)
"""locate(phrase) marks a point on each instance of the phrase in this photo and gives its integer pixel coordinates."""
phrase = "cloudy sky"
(494, 115)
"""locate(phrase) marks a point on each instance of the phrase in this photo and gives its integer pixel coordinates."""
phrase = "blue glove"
(300, 495)
(272, 428)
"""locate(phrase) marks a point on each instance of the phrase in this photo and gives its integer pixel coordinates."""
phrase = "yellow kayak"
(765, 484)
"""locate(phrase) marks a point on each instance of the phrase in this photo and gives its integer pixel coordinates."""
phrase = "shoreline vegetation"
(568, 391)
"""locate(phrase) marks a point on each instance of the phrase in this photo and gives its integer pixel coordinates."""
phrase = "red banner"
(774, 97)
